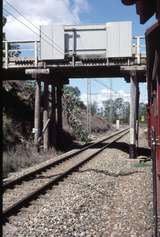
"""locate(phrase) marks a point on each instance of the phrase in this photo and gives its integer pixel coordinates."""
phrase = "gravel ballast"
(109, 196)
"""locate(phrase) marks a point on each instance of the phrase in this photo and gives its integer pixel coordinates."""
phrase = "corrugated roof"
(145, 8)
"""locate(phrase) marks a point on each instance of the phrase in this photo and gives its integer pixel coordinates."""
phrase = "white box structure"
(52, 42)
(112, 40)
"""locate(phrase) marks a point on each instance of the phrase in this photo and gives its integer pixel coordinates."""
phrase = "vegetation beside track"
(18, 117)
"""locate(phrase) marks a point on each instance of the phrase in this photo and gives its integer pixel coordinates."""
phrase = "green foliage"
(94, 108)
(72, 91)
(120, 109)
(17, 112)
(72, 110)
(116, 109)
(142, 165)
(143, 112)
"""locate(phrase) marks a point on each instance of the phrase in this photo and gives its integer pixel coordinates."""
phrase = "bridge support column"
(133, 114)
(37, 112)
(59, 111)
(53, 130)
(45, 118)
(137, 115)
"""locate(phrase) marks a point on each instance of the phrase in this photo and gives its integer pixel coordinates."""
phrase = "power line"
(74, 19)
(33, 24)
(8, 12)
(58, 48)
(68, 9)
(104, 85)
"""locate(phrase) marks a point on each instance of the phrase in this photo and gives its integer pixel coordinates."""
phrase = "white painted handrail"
(30, 50)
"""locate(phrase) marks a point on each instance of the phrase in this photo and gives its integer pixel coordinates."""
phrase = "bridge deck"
(23, 60)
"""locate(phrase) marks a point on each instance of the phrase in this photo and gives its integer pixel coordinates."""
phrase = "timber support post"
(59, 112)
(37, 112)
(53, 128)
(137, 115)
(133, 113)
(45, 117)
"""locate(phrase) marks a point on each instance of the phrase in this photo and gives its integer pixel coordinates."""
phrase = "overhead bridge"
(83, 51)
(109, 49)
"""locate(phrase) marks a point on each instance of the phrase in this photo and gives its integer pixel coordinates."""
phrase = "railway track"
(21, 191)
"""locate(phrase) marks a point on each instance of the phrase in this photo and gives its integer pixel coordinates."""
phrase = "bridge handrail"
(136, 43)
(6, 49)
(139, 47)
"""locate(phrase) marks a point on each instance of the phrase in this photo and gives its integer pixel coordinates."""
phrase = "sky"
(70, 12)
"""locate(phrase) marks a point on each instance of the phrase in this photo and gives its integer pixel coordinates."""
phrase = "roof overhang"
(146, 9)
(152, 45)
(128, 2)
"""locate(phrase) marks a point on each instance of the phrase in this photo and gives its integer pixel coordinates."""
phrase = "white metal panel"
(92, 39)
(119, 39)
(87, 41)
(46, 48)
(110, 40)
(52, 42)
(58, 37)
(125, 39)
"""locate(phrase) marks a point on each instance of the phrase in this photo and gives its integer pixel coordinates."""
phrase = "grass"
(142, 165)
(21, 156)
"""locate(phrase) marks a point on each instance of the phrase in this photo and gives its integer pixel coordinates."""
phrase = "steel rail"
(14, 208)
(51, 164)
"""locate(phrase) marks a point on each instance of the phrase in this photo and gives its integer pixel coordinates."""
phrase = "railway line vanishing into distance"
(19, 192)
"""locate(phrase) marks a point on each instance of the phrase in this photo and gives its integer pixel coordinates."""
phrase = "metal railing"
(20, 50)
(30, 50)
(140, 48)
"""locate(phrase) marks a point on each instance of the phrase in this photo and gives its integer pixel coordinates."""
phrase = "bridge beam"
(134, 101)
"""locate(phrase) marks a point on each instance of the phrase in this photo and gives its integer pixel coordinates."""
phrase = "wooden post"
(6, 55)
(137, 114)
(53, 132)
(59, 107)
(133, 96)
(45, 116)
(59, 114)
(37, 112)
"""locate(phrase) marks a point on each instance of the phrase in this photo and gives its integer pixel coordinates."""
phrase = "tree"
(72, 106)
(126, 112)
(94, 108)
(73, 91)
(119, 109)
(116, 109)
(143, 112)
(108, 109)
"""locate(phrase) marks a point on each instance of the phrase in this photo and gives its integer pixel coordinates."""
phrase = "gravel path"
(110, 196)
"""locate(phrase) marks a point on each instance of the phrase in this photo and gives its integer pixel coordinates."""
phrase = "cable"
(58, 48)
(29, 28)
(103, 84)
(32, 30)
(68, 9)
(33, 25)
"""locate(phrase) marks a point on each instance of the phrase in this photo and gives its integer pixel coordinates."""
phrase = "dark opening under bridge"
(63, 52)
